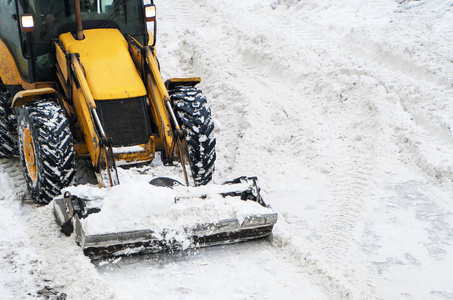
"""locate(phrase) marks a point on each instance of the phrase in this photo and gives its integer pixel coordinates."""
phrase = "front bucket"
(245, 217)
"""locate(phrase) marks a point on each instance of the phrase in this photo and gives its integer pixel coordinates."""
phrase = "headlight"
(150, 13)
(27, 23)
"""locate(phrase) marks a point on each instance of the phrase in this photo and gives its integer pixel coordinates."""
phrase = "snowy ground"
(343, 109)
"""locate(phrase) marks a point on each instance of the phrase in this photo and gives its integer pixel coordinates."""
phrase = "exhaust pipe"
(78, 16)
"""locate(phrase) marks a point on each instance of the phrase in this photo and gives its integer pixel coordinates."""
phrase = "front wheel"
(46, 149)
(194, 117)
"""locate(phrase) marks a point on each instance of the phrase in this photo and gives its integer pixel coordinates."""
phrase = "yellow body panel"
(9, 72)
(86, 122)
(151, 38)
(83, 102)
(110, 71)
(144, 155)
(8, 69)
(159, 96)
(61, 62)
(62, 70)
(26, 96)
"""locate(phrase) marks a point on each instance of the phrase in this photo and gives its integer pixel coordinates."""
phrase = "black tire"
(46, 149)
(194, 117)
(8, 124)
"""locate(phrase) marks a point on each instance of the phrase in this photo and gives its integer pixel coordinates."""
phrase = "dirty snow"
(343, 109)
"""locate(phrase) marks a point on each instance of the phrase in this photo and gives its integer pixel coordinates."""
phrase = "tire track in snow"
(21, 265)
(420, 91)
(268, 68)
(423, 132)
(347, 213)
(13, 168)
(418, 95)
(403, 72)
(264, 104)
(325, 86)
(351, 176)
(403, 69)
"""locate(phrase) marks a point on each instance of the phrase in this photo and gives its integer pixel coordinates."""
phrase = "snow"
(139, 206)
(130, 149)
(343, 109)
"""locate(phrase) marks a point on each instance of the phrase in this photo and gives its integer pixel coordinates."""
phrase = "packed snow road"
(343, 109)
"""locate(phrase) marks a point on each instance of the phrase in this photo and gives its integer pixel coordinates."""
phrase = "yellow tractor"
(80, 78)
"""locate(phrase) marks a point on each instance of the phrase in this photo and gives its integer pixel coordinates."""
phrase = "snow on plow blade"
(235, 213)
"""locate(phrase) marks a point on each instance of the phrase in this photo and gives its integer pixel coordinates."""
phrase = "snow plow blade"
(72, 212)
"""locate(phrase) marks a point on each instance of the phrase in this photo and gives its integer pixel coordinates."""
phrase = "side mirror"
(150, 13)
(27, 23)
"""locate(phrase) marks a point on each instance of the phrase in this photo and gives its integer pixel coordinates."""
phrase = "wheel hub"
(29, 154)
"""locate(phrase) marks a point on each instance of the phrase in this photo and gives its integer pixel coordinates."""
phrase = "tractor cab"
(41, 21)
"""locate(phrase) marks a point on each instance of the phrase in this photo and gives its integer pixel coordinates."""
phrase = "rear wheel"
(46, 149)
(194, 117)
(8, 131)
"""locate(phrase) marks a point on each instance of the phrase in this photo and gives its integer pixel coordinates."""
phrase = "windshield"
(54, 17)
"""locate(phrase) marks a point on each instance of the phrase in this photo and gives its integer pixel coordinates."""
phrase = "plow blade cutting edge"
(72, 212)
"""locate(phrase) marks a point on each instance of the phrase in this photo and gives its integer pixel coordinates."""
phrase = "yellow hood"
(110, 71)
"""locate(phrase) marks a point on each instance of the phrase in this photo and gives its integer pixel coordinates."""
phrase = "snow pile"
(139, 205)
